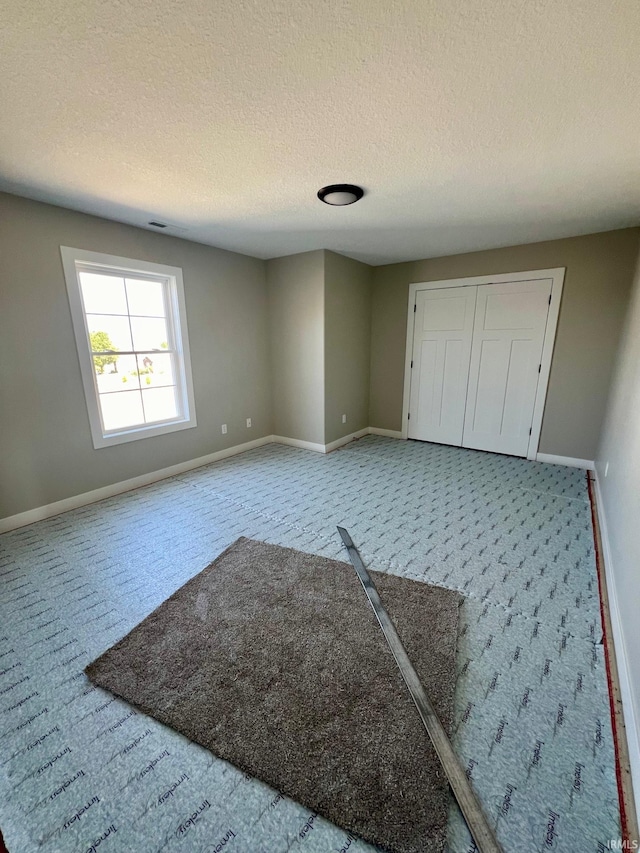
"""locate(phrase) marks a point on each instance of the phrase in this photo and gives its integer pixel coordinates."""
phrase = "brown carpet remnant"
(274, 660)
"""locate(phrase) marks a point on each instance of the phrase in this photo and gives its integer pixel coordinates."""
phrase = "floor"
(81, 770)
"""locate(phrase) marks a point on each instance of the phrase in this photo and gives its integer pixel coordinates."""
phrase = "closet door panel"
(508, 335)
(443, 329)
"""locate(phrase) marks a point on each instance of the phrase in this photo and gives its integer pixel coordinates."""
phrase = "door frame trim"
(556, 275)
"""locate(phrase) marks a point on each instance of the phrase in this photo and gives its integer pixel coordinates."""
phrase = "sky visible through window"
(132, 349)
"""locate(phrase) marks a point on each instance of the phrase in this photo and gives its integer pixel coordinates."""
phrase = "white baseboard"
(570, 461)
(297, 442)
(389, 433)
(628, 710)
(40, 513)
(76, 501)
(320, 448)
(340, 442)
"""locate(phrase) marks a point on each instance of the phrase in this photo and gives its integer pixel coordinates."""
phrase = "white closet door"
(508, 335)
(443, 329)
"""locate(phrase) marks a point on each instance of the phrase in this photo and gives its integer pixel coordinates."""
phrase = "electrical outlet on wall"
(224, 429)
(248, 422)
(344, 419)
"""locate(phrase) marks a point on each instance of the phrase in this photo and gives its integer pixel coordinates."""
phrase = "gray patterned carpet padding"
(81, 770)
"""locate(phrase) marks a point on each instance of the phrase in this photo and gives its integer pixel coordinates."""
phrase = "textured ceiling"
(470, 123)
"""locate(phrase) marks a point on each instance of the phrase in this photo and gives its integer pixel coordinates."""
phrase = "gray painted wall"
(620, 493)
(320, 333)
(347, 345)
(47, 453)
(296, 328)
(596, 291)
(284, 342)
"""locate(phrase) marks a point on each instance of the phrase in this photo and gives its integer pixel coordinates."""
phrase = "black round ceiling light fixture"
(339, 195)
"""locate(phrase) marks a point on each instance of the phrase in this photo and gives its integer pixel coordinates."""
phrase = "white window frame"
(75, 261)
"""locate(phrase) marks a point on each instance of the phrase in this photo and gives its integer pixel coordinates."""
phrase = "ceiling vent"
(167, 227)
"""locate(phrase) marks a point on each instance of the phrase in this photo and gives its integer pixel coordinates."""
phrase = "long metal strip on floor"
(482, 833)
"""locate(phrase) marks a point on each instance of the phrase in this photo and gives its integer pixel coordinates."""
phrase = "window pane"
(121, 410)
(149, 334)
(159, 404)
(107, 332)
(127, 323)
(103, 294)
(145, 297)
(156, 369)
(116, 373)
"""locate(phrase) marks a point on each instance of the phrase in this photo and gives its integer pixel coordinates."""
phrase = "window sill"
(135, 434)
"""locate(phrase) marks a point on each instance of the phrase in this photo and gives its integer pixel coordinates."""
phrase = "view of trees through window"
(130, 341)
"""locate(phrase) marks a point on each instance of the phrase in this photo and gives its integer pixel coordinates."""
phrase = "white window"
(131, 331)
